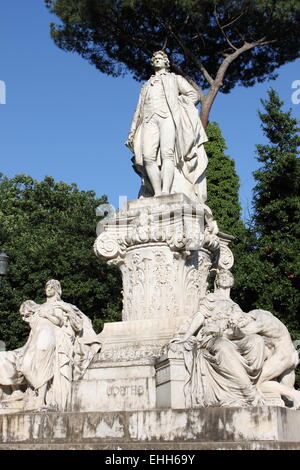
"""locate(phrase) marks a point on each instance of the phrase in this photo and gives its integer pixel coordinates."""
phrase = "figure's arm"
(129, 141)
(73, 314)
(195, 325)
(56, 317)
(76, 322)
(186, 89)
(253, 327)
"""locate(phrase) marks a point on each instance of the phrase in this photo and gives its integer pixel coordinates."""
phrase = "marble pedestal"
(165, 247)
(159, 244)
(133, 369)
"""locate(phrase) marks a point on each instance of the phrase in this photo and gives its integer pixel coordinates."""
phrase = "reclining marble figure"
(60, 347)
(234, 358)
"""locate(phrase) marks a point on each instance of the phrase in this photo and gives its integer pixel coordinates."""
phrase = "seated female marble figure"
(233, 357)
(222, 372)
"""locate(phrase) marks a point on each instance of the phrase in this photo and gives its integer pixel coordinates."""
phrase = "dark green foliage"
(277, 212)
(48, 229)
(118, 36)
(269, 274)
(223, 183)
(223, 199)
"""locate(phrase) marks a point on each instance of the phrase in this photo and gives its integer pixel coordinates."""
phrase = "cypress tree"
(276, 205)
(223, 199)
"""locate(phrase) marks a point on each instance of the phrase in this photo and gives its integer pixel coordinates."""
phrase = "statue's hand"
(178, 339)
(211, 329)
(190, 343)
(129, 141)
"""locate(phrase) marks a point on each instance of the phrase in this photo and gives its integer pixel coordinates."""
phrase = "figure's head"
(160, 60)
(27, 309)
(224, 279)
(53, 289)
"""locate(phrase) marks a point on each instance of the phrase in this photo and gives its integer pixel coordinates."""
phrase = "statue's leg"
(283, 390)
(234, 379)
(150, 149)
(288, 378)
(276, 366)
(168, 168)
(154, 177)
(167, 149)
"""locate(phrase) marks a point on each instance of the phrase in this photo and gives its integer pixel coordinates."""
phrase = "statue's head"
(53, 288)
(160, 60)
(224, 279)
(27, 309)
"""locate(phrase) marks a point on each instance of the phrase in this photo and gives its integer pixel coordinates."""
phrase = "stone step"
(157, 446)
(202, 428)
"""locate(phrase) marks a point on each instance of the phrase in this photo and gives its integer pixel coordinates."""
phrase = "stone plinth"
(123, 375)
(159, 246)
(204, 428)
(111, 387)
(171, 377)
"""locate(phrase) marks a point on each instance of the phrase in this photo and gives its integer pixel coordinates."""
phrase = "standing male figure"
(166, 134)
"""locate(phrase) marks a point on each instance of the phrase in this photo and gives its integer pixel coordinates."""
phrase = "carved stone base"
(164, 252)
(111, 387)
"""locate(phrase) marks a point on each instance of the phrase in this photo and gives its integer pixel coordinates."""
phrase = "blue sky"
(65, 119)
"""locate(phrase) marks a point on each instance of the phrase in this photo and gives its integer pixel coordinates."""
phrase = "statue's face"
(26, 313)
(224, 280)
(159, 62)
(50, 291)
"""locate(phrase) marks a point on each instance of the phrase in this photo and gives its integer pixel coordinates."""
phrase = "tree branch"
(218, 82)
(222, 30)
(165, 43)
(188, 53)
(234, 20)
(230, 58)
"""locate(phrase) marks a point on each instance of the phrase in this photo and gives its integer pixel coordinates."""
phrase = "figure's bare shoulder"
(270, 324)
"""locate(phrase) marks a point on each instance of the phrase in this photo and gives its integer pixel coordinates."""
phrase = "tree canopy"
(48, 229)
(202, 38)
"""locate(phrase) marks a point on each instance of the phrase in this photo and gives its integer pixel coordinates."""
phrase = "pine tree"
(219, 44)
(277, 214)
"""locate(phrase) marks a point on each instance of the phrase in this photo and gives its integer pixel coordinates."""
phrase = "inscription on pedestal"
(116, 389)
(125, 390)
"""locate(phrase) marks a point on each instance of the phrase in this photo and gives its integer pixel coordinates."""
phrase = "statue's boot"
(168, 168)
(154, 177)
